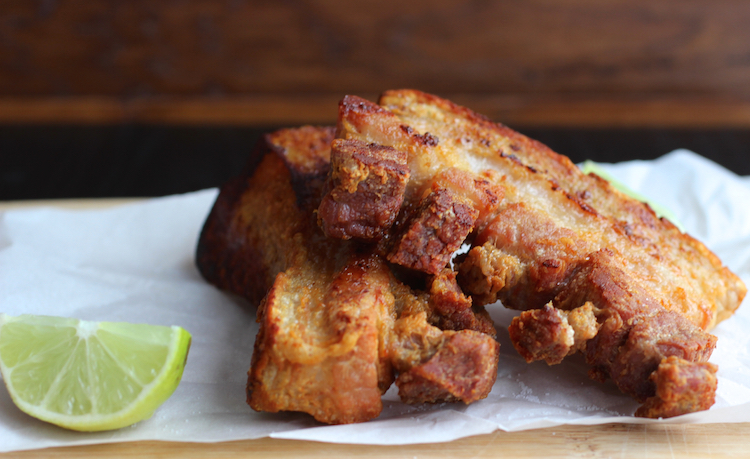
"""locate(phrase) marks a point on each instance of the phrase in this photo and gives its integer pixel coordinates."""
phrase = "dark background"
(115, 98)
(144, 160)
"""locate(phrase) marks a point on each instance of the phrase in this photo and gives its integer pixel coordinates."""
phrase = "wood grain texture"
(69, 204)
(137, 47)
(706, 441)
(265, 61)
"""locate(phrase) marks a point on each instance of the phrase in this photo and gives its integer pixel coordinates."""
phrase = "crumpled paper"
(135, 263)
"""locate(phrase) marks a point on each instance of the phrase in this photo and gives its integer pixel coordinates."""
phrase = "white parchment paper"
(135, 263)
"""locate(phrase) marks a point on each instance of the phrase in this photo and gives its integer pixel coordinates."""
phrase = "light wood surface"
(706, 441)
(72, 204)
(607, 441)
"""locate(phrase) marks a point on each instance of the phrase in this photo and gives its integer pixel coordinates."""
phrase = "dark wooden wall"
(256, 62)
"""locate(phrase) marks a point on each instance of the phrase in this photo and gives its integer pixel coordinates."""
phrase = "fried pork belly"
(550, 242)
(337, 328)
(681, 387)
(551, 334)
(436, 365)
(367, 184)
(251, 234)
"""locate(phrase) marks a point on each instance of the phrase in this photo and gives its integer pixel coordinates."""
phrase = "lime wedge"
(90, 376)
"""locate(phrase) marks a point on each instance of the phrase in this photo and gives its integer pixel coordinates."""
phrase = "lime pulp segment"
(90, 375)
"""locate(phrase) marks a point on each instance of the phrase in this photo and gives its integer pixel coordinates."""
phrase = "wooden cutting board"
(704, 441)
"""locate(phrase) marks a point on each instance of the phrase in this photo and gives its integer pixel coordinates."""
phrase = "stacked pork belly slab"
(346, 237)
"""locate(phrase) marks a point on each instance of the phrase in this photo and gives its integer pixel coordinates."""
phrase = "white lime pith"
(90, 376)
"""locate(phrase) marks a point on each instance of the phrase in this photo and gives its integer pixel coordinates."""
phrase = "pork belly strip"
(365, 190)
(327, 343)
(248, 237)
(563, 237)
(578, 214)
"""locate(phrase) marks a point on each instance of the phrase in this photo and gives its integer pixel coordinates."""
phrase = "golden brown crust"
(551, 334)
(462, 369)
(681, 272)
(248, 265)
(563, 237)
(452, 309)
(366, 190)
(596, 271)
(248, 236)
(681, 387)
(436, 231)
(327, 343)
(323, 361)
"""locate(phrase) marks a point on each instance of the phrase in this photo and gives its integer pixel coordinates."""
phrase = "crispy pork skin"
(328, 343)
(563, 239)
(248, 237)
(551, 334)
(367, 184)
(322, 361)
(452, 309)
(438, 228)
(357, 251)
(681, 387)
(442, 366)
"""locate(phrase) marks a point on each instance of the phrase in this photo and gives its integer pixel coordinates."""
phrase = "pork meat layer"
(553, 239)
(336, 326)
